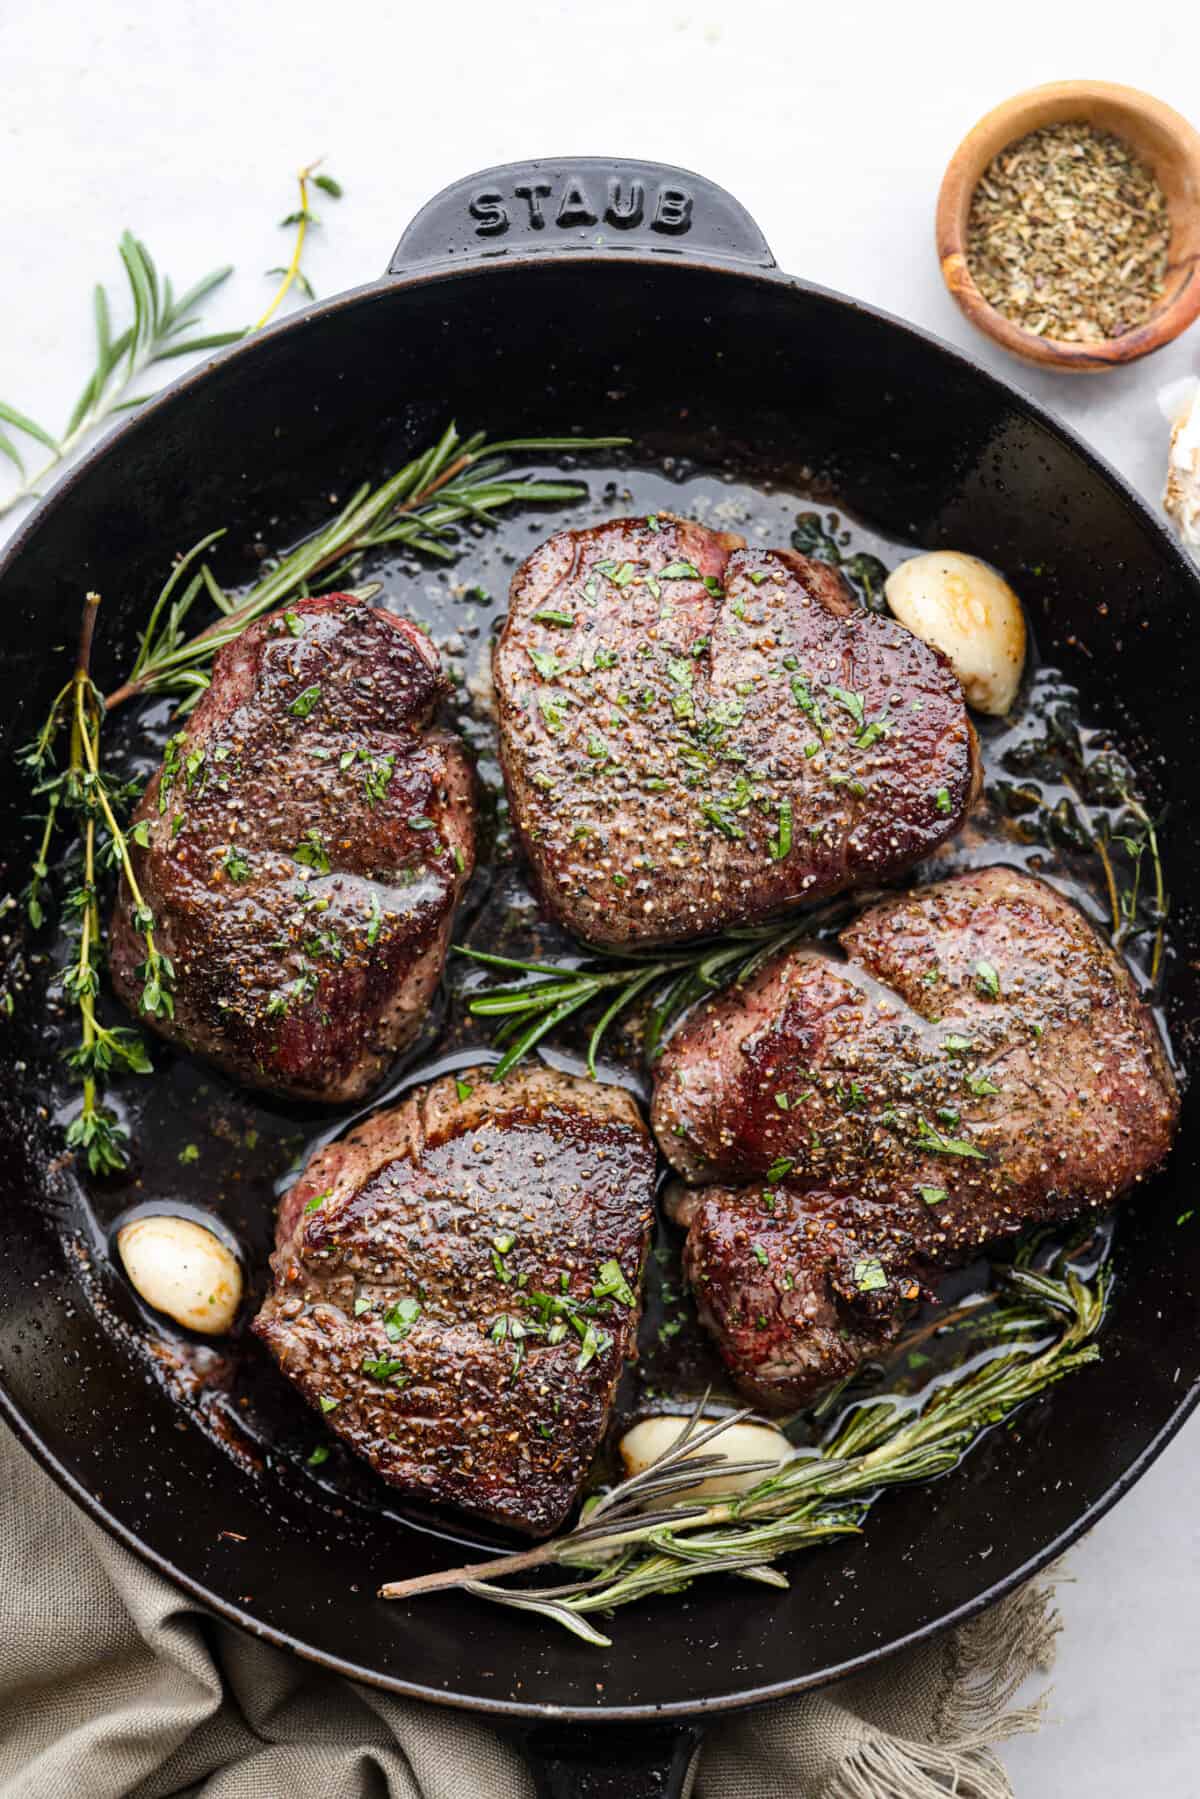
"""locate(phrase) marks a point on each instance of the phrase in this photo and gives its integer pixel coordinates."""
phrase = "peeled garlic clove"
(182, 1269)
(1182, 496)
(964, 608)
(740, 1443)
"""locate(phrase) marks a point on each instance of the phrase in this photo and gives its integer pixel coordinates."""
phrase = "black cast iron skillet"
(608, 297)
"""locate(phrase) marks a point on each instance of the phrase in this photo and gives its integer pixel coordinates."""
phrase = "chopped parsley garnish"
(851, 701)
(981, 1085)
(606, 659)
(620, 577)
(802, 694)
(593, 1343)
(189, 1153)
(555, 618)
(328, 1405)
(987, 980)
(870, 734)
(933, 1196)
(546, 663)
(717, 815)
(929, 1137)
(678, 571)
(382, 1367)
(294, 623)
(611, 1284)
(375, 921)
(399, 1319)
(236, 865)
(761, 1254)
(417, 821)
(779, 1167)
(312, 853)
(464, 1089)
(552, 708)
(320, 1454)
(942, 801)
(869, 1276)
(952, 1044)
(782, 845)
(361, 1305)
(304, 702)
(377, 777)
(318, 1200)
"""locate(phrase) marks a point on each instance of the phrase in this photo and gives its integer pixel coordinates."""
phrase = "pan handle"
(582, 204)
(642, 1761)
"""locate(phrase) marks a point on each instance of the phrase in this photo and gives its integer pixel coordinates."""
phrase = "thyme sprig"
(1118, 829)
(670, 983)
(644, 1538)
(457, 479)
(161, 328)
(82, 788)
(292, 275)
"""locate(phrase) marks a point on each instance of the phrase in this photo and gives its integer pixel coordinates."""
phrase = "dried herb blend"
(1068, 234)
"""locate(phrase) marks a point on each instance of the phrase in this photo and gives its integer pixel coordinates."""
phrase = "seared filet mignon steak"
(980, 1062)
(307, 840)
(695, 734)
(456, 1286)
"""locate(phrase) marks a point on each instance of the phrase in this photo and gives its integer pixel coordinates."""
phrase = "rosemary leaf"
(639, 1547)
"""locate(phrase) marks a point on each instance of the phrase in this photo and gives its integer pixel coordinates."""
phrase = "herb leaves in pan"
(456, 480)
(643, 1537)
(668, 984)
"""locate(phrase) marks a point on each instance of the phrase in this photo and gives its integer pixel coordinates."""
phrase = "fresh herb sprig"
(669, 984)
(456, 480)
(1115, 826)
(644, 1538)
(302, 219)
(162, 327)
(82, 788)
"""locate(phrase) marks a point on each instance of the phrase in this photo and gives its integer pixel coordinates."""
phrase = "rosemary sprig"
(160, 330)
(532, 1008)
(303, 218)
(456, 479)
(643, 1538)
(83, 789)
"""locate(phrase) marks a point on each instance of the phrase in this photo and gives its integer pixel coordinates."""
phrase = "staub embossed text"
(575, 201)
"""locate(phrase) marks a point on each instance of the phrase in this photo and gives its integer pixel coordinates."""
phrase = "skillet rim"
(180, 391)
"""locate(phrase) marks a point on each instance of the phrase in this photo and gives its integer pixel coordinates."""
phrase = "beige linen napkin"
(113, 1685)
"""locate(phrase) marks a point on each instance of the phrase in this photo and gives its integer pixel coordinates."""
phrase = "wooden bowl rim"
(1053, 102)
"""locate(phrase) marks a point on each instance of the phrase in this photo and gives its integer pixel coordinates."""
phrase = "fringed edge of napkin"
(986, 1662)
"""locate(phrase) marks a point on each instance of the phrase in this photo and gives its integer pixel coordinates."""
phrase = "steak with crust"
(981, 1061)
(456, 1286)
(305, 844)
(695, 734)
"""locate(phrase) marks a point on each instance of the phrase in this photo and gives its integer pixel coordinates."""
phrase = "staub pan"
(604, 297)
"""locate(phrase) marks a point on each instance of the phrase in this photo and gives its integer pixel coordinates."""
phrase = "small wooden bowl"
(1161, 137)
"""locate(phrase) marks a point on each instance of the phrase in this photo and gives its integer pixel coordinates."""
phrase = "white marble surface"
(184, 119)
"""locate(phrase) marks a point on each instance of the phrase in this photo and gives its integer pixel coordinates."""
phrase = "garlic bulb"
(182, 1269)
(740, 1443)
(1181, 404)
(964, 608)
